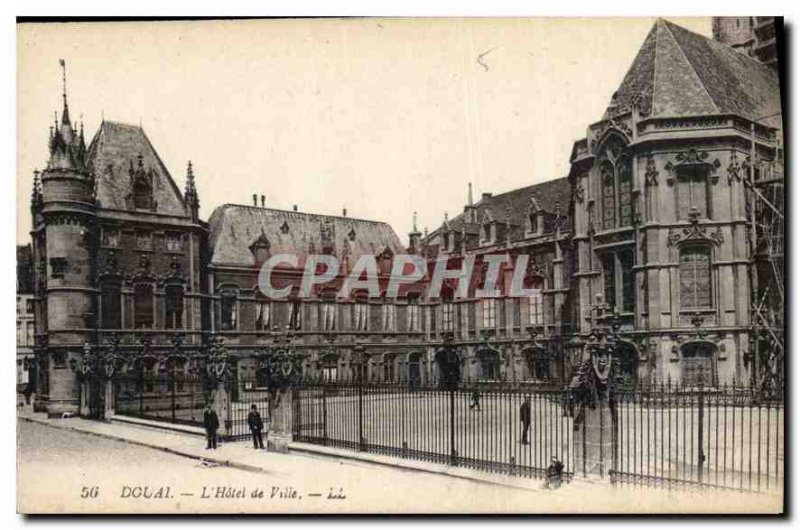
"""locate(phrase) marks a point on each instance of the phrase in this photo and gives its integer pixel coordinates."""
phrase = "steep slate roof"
(680, 73)
(235, 228)
(113, 149)
(517, 202)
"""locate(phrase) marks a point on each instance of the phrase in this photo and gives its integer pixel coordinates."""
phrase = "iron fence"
(726, 437)
(173, 398)
(473, 425)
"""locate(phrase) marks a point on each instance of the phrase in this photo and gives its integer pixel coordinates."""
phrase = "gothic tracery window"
(174, 307)
(616, 187)
(695, 277)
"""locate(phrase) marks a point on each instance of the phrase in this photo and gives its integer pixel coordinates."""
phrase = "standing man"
(476, 400)
(525, 418)
(211, 424)
(256, 425)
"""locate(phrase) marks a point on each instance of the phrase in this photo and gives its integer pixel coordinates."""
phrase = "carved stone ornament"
(651, 173)
(689, 158)
(695, 232)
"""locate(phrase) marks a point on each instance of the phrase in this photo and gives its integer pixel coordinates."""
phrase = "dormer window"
(488, 230)
(141, 186)
(260, 248)
(534, 220)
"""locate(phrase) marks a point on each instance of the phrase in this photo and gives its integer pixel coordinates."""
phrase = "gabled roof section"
(517, 203)
(234, 228)
(113, 149)
(680, 73)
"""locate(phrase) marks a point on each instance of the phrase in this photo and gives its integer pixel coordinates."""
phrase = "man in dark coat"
(475, 402)
(256, 425)
(211, 424)
(525, 418)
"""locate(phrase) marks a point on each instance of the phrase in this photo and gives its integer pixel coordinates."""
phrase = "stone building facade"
(651, 227)
(661, 212)
(26, 373)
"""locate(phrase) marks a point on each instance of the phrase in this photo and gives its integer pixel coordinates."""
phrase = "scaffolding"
(764, 183)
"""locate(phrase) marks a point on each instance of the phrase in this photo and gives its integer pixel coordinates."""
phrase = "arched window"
(228, 311)
(609, 195)
(388, 367)
(174, 307)
(695, 277)
(143, 305)
(414, 372)
(697, 360)
(616, 186)
(488, 365)
(625, 180)
(538, 363)
(627, 364)
(110, 305)
(330, 367)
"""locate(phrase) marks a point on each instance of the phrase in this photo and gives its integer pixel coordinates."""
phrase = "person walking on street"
(211, 424)
(475, 403)
(256, 426)
(525, 418)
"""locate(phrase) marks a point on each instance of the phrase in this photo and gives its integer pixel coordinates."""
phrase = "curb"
(218, 461)
(409, 466)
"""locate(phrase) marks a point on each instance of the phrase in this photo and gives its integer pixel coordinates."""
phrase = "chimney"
(344, 212)
(262, 201)
(255, 200)
(294, 208)
(487, 196)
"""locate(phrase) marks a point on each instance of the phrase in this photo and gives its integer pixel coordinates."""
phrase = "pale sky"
(383, 117)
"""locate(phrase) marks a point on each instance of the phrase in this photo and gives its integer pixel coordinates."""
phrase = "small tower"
(64, 226)
(414, 237)
(190, 195)
(470, 210)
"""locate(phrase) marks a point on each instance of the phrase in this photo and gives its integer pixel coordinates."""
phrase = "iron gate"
(173, 398)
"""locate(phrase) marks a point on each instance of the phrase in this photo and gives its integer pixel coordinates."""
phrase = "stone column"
(110, 400)
(594, 441)
(221, 405)
(280, 430)
(85, 387)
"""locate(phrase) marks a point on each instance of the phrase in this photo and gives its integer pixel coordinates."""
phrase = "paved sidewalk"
(515, 494)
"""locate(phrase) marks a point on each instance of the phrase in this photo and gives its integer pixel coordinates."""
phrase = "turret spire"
(65, 112)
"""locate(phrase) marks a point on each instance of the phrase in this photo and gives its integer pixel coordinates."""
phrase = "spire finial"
(414, 224)
(65, 114)
(469, 195)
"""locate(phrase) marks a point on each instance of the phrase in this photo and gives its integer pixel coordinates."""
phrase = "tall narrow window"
(360, 322)
(388, 367)
(228, 312)
(263, 316)
(695, 277)
(625, 192)
(174, 307)
(328, 316)
(619, 281)
(609, 198)
(693, 192)
(143, 306)
(110, 306)
(296, 315)
(535, 313)
(412, 322)
(388, 316)
(330, 367)
(628, 275)
(489, 313)
(610, 280)
(447, 316)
